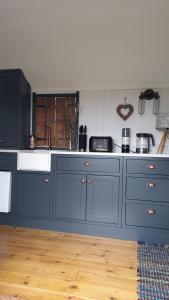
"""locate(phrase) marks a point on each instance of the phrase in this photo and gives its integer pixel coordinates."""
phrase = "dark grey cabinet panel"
(15, 94)
(147, 215)
(70, 196)
(88, 164)
(33, 195)
(103, 199)
(88, 201)
(94, 189)
(8, 161)
(147, 188)
(147, 166)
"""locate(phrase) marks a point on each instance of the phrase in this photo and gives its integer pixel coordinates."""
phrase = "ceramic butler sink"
(34, 161)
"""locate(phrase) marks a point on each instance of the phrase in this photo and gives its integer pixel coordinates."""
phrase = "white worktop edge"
(86, 153)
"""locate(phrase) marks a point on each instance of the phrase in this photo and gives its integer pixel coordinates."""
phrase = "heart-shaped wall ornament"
(125, 111)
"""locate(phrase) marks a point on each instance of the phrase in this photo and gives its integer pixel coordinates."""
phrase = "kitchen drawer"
(147, 215)
(146, 166)
(88, 164)
(147, 188)
(7, 141)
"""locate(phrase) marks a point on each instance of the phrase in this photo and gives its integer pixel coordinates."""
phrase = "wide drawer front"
(88, 164)
(151, 167)
(147, 215)
(146, 188)
(7, 141)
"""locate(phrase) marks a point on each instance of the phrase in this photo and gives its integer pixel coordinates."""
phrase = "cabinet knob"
(46, 180)
(1, 141)
(151, 184)
(87, 164)
(89, 181)
(152, 166)
(83, 180)
(150, 211)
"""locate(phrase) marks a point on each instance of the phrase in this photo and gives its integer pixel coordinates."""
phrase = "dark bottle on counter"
(125, 148)
(82, 138)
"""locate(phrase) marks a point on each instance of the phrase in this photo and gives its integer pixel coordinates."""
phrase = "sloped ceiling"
(86, 44)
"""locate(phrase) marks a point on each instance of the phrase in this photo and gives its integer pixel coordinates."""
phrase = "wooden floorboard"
(48, 265)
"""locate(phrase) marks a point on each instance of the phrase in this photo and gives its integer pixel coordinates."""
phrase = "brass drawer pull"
(150, 211)
(152, 166)
(83, 180)
(87, 164)
(151, 185)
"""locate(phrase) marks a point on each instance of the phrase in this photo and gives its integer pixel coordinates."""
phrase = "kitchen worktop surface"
(65, 152)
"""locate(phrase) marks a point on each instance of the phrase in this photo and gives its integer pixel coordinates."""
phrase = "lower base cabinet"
(147, 214)
(103, 199)
(70, 196)
(91, 198)
(33, 195)
(80, 195)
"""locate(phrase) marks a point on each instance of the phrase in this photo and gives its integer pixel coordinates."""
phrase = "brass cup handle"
(151, 166)
(150, 211)
(87, 164)
(46, 180)
(151, 184)
(83, 180)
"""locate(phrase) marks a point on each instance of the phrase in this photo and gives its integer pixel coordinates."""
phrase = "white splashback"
(98, 112)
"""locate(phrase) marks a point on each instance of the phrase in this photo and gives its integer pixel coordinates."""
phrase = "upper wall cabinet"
(56, 120)
(15, 95)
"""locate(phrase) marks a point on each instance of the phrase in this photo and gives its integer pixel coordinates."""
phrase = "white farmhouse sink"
(34, 161)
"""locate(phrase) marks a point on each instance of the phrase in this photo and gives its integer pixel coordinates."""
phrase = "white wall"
(98, 112)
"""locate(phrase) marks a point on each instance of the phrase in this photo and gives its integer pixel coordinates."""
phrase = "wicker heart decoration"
(125, 111)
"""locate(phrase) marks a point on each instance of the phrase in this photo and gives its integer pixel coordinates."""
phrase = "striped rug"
(153, 272)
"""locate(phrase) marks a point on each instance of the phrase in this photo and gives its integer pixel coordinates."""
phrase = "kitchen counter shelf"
(78, 153)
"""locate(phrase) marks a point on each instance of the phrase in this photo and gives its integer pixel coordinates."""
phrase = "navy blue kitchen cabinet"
(33, 195)
(70, 196)
(147, 214)
(15, 95)
(146, 193)
(129, 201)
(103, 199)
(87, 188)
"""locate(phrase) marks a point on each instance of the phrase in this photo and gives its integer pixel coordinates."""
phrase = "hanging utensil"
(149, 95)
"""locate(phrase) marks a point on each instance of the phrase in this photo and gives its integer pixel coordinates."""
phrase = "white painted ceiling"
(81, 44)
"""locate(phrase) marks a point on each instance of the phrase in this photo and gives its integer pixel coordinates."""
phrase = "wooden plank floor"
(47, 265)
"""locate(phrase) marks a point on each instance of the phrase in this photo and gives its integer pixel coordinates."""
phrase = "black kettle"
(143, 142)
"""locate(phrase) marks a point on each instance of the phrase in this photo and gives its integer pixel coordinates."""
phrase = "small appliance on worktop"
(143, 142)
(101, 144)
(82, 138)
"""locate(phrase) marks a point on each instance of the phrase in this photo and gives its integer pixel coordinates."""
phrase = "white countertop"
(65, 152)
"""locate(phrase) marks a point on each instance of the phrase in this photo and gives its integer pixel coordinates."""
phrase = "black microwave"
(101, 144)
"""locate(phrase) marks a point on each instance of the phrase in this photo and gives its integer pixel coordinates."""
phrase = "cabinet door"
(103, 199)
(15, 97)
(9, 95)
(70, 196)
(33, 195)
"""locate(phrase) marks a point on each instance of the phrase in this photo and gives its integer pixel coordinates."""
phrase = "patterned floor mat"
(153, 272)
